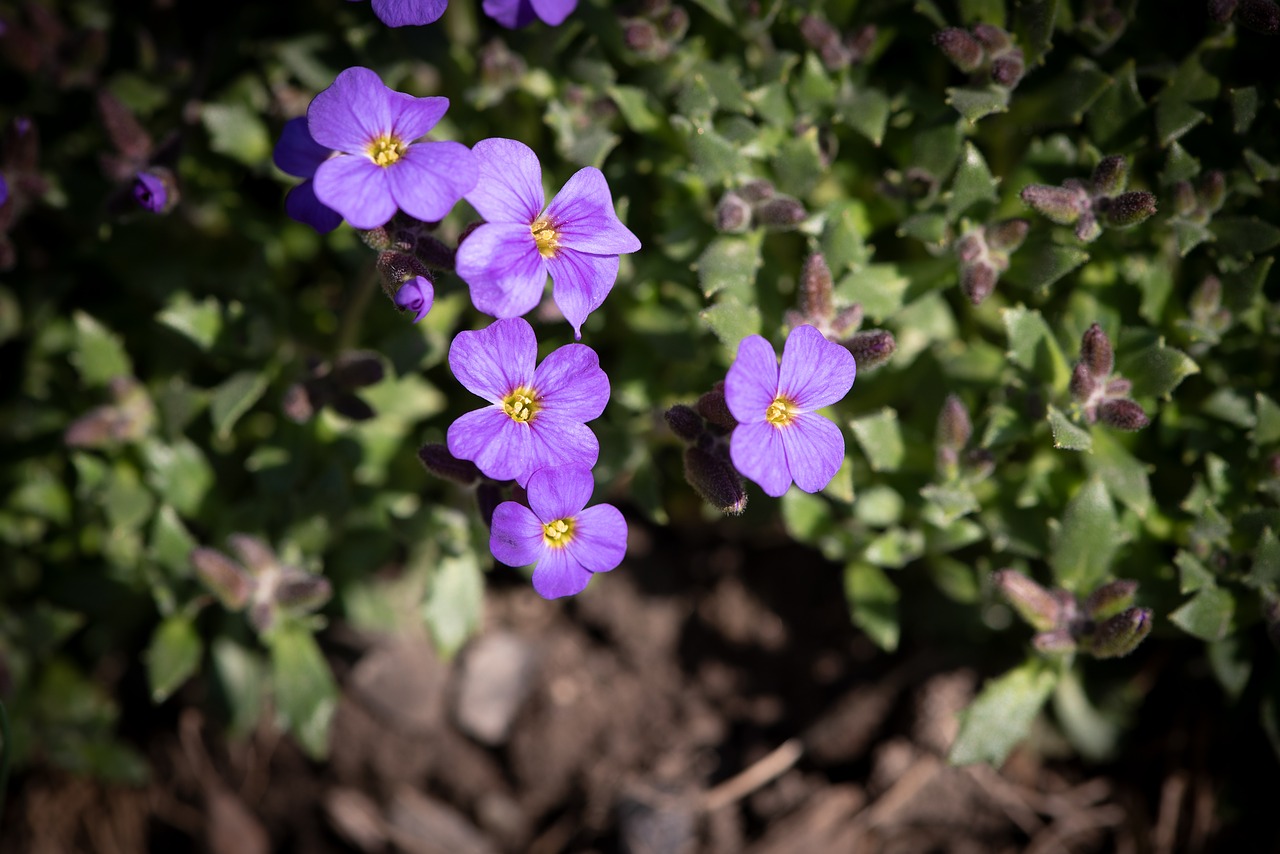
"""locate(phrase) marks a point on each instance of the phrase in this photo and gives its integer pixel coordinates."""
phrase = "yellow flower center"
(386, 150)
(521, 405)
(557, 534)
(546, 236)
(780, 412)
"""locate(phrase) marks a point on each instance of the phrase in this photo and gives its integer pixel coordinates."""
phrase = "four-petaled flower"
(519, 13)
(408, 13)
(378, 166)
(416, 295)
(567, 542)
(299, 155)
(538, 417)
(577, 239)
(780, 437)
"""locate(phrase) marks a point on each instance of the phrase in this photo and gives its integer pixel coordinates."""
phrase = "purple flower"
(408, 13)
(538, 417)
(149, 192)
(521, 13)
(568, 543)
(299, 155)
(780, 437)
(4, 190)
(416, 295)
(378, 166)
(577, 239)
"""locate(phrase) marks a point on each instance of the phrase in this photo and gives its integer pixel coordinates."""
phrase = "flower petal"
(516, 537)
(599, 538)
(512, 14)
(560, 492)
(558, 441)
(302, 205)
(558, 574)
(583, 215)
(814, 448)
(494, 361)
(409, 13)
(752, 382)
(296, 153)
(412, 117)
(554, 12)
(501, 265)
(580, 282)
(509, 186)
(430, 178)
(499, 446)
(815, 372)
(351, 113)
(758, 454)
(355, 187)
(571, 383)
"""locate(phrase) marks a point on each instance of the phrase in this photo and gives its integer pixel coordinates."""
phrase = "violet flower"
(567, 543)
(408, 13)
(780, 437)
(576, 240)
(378, 166)
(520, 13)
(4, 190)
(299, 155)
(149, 192)
(416, 295)
(537, 418)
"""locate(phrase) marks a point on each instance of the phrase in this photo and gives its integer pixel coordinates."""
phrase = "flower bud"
(437, 460)
(675, 24)
(1123, 414)
(1037, 606)
(954, 426)
(1206, 299)
(397, 268)
(1222, 10)
(1087, 228)
(377, 239)
(435, 253)
(1110, 599)
(1262, 16)
(847, 320)
(756, 191)
(1007, 235)
(1111, 176)
(716, 480)
(964, 51)
(150, 193)
(642, 37)
(1007, 70)
(1096, 352)
(1213, 190)
(302, 591)
(488, 497)
(712, 406)
(733, 214)
(350, 406)
(357, 369)
(685, 422)
(872, 348)
(1060, 204)
(782, 213)
(223, 576)
(1118, 387)
(1185, 202)
(977, 281)
(256, 555)
(859, 43)
(1128, 209)
(970, 247)
(417, 296)
(1056, 642)
(297, 403)
(815, 288)
(1083, 384)
(818, 32)
(1121, 634)
(992, 37)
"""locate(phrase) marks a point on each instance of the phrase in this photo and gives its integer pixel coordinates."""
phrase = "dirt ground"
(709, 696)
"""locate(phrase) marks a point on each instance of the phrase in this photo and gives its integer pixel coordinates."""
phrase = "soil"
(709, 696)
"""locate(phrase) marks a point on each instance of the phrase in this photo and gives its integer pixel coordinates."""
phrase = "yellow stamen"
(546, 236)
(780, 412)
(557, 534)
(521, 404)
(386, 150)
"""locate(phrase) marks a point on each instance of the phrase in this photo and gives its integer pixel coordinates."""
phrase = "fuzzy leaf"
(1066, 434)
(974, 104)
(1207, 615)
(972, 183)
(1002, 714)
(99, 355)
(729, 262)
(881, 439)
(873, 603)
(454, 602)
(1156, 370)
(731, 321)
(1087, 539)
(173, 655)
(233, 398)
(866, 111)
(306, 695)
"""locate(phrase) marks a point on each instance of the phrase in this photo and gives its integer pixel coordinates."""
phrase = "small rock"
(402, 682)
(496, 675)
(423, 825)
(356, 818)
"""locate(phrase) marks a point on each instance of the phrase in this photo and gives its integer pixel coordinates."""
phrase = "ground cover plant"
(583, 425)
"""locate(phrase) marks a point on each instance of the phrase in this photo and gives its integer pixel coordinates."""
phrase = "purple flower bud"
(4, 191)
(1121, 634)
(1055, 642)
(302, 591)
(437, 460)
(488, 497)
(970, 247)
(1185, 202)
(225, 578)
(1087, 228)
(1222, 10)
(397, 267)
(1062, 205)
(1110, 599)
(1007, 235)
(1111, 176)
(297, 403)
(642, 37)
(964, 51)
(150, 192)
(1261, 16)
(1007, 70)
(977, 281)
(733, 214)
(1118, 387)
(1037, 606)
(1096, 352)
(712, 406)
(818, 32)
(674, 24)
(781, 212)
(859, 43)
(815, 288)
(416, 295)
(715, 479)
(872, 348)
(756, 191)
(1213, 189)
(1083, 384)
(257, 556)
(357, 369)
(685, 422)
(1123, 414)
(954, 426)
(992, 38)
(1206, 299)
(1129, 209)
(847, 320)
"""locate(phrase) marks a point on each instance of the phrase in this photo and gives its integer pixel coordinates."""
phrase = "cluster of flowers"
(509, 13)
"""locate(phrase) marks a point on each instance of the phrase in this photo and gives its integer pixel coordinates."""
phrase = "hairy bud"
(1122, 414)
(1213, 190)
(1222, 10)
(1110, 599)
(488, 497)
(684, 422)
(437, 460)
(1007, 70)
(1111, 176)
(954, 427)
(758, 190)
(1128, 209)
(964, 51)
(674, 24)
(1062, 205)
(1185, 203)
(815, 288)
(733, 214)
(1261, 16)
(1087, 228)
(872, 348)
(1007, 235)
(225, 578)
(1055, 642)
(712, 406)
(1037, 606)
(1121, 634)
(1096, 352)
(977, 281)
(715, 479)
(847, 320)
(781, 212)
(1083, 384)
(992, 37)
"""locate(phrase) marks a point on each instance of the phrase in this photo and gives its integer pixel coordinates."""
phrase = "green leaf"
(1192, 574)
(201, 321)
(1267, 416)
(1002, 714)
(1040, 263)
(730, 262)
(881, 439)
(1265, 571)
(1231, 664)
(1179, 165)
(99, 355)
(306, 695)
(1032, 346)
(1034, 23)
(879, 288)
(982, 12)
(1090, 731)
(1115, 115)
(1125, 476)
(454, 602)
(172, 656)
(873, 603)
(1207, 615)
(1067, 435)
(1174, 119)
(718, 9)
(975, 104)
(1244, 236)
(716, 160)
(1244, 108)
(179, 473)
(241, 676)
(1157, 370)
(171, 543)
(238, 132)
(865, 111)
(806, 517)
(1065, 99)
(948, 502)
(233, 398)
(798, 164)
(842, 237)
(731, 321)
(1086, 540)
(972, 183)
